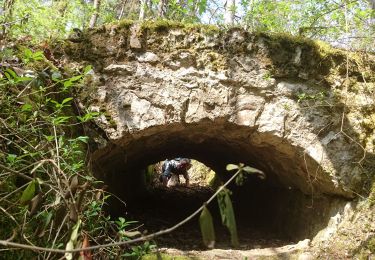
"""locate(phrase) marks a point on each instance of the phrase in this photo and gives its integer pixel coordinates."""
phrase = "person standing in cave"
(172, 169)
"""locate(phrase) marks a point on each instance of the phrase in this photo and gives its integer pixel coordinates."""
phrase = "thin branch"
(16, 21)
(15, 191)
(121, 243)
(12, 218)
(16, 173)
(57, 234)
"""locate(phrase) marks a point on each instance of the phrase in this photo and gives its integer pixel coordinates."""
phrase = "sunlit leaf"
(83, 139)
(249, 169)
(28, 193)
(38, 55)
(66, 100)
(61, 120)
(231, 167)
(11, 74)
(26, 108)
(73, 240)
(11, 158)
(87, 69)
(49, 137)
(131, 234)
(76, 78)
(227, 215)
(207, 228)
(69, 246)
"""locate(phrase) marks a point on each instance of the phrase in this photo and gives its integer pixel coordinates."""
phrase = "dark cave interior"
(271, 212)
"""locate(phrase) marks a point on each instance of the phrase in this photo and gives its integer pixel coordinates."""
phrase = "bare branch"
(121, 243)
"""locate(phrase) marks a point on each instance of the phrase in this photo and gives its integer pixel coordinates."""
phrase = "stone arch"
(224, 97)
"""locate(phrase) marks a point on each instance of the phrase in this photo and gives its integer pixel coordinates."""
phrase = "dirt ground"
(164, 207)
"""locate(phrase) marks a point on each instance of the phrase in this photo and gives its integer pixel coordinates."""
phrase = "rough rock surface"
(298, 110)
(289, 102)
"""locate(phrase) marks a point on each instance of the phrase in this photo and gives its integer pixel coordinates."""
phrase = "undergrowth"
(47, 193)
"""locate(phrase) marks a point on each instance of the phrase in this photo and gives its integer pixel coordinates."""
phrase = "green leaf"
(56, 75)
(83, 139)
(88, 116)
(69, 246)
(74, 234)
(227, 215)
(49, 137)
(202, 6)
(11, 158)
(27, 52)
(231, 167)
(87, 69)
(66, 100)
(73, 240)
(75, 78)
(11, 74)
(207, 228)
(67, 84)
(26, 108)
(28, 193)
(250, 170)
(38, 55)
(60, 120)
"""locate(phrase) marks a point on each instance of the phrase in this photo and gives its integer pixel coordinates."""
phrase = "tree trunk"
(142, 9)
(230, 11)
(95, 15)
(121, 14)
(162, 8)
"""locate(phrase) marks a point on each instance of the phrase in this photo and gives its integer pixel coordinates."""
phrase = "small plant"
(30, 56)
(139, 251)
(122, 224)
(54, 198)
(225, 205)
(267, 75)
(316, 97)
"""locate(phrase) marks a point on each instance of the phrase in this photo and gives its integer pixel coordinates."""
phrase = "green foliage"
(122, 224)
(73, 240)
(30, 56)
(243, 171)
(28, 193)
(312, 99)
(39, 141)
(324, 20)
(227, 215)
(207, 228)
(342, 23)
(226, 208)
(139, 251)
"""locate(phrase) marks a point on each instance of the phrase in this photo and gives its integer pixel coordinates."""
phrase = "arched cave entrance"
(294, 202)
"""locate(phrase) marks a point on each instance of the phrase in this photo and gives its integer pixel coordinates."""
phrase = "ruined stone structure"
(300, 111)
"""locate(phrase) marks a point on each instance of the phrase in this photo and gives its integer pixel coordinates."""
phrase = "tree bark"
(142, 9)
(230, 11)
(121, 14)
(95, 15)
(162, 8)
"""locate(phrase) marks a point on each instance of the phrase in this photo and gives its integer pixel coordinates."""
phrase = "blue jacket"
(170, 167)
